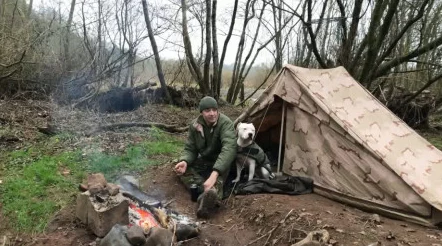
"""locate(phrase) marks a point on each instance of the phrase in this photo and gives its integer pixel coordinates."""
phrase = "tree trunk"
(29, 12)
(193, 66)
(348, 41)
(233, 86)
(370, 56)
(216, 83)
(155, 51)
(383, 31)
(2, 8)
(277, 18)
(67, 61)
(313, 47)
(208, 57)
(99, 37)
(226, 42)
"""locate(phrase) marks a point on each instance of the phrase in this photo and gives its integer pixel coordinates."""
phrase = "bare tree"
(277, 22)
(192, 63)
(155, 51)
(226, 43)
(208, 57)
(67, 37)
(379, 42)
(216, 81)
(29, 11)
(245, 57)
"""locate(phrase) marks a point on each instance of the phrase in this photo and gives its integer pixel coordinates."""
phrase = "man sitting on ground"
(208, 155)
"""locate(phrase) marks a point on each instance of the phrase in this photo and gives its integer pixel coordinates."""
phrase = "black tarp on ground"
(281, 185)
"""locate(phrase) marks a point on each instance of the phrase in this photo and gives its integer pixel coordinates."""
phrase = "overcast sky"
(169, 51)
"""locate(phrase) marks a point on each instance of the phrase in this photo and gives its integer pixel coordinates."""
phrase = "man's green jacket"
(215, 144)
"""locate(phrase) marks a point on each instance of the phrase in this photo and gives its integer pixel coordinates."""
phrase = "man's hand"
(181, 167)
(211, 181)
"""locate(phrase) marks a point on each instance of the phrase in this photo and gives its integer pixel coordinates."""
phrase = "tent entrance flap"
(268, 125)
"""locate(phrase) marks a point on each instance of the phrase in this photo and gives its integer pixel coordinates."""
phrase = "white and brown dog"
(250, 155)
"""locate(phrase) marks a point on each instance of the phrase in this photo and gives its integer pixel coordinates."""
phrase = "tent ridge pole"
(280, 139)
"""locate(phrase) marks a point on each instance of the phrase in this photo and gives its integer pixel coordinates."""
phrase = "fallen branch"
(270, 233)
(174, 232)
(164, 127)
(3, 120)
(9, 139)
(4, 240)
(48, 130)
(168, 203)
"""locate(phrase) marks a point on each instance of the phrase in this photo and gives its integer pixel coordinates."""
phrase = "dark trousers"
(198, 172)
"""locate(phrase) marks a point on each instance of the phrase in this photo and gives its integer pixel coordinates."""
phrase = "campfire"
(124, 215)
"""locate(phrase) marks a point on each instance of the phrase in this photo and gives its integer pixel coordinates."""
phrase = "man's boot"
(207, 202)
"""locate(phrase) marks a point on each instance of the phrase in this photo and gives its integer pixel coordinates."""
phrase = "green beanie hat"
(207, 102)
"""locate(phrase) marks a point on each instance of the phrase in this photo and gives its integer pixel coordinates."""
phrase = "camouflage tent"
(356, 151)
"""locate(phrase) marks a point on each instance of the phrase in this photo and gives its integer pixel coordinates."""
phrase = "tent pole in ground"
(280, 139)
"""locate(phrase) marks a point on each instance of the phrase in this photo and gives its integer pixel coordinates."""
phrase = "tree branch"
(208, 57)
(188, 49)
(216, 82)
(343, 22)
(428, 84)
(385, 67)
(371, 41)
(164, 127)
(409, 23)
(313, 44)
(392, 8)
(347, 44)
(257, 88)
(226, 41)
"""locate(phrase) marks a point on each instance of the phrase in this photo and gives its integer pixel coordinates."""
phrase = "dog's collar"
(252, 149)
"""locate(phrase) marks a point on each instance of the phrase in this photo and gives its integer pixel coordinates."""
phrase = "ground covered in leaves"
(243, 220)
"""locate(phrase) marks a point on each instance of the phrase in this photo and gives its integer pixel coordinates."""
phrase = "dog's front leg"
(239, 166)
(252, 165)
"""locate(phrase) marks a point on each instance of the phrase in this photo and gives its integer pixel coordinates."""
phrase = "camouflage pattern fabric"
(198, 172)
(348, 142)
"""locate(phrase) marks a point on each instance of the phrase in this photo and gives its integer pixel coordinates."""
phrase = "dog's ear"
(237, 127)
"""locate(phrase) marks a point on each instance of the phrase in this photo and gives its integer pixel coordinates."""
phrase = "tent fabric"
(343, 138)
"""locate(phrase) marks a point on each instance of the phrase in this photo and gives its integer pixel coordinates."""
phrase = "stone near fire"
(116, 237)
(160, 237)
(135, 235)
(100, 217)
(113, 189)
(96, 183)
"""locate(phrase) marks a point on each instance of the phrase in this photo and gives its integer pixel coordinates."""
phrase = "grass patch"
(136, 157)
(40, 180)
(35, 186)
(434, 137)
